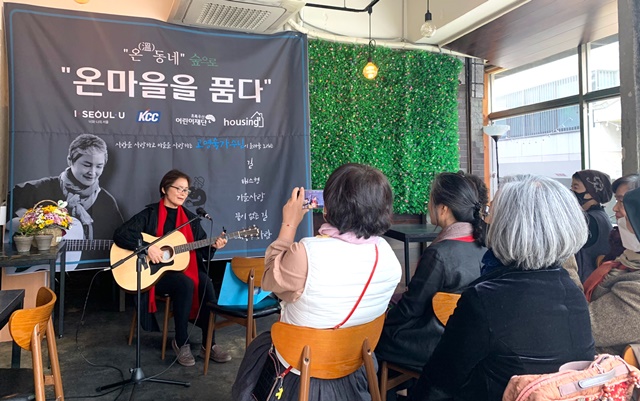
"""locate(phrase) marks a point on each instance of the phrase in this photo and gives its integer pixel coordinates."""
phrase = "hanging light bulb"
(428, 29)
(370, 71)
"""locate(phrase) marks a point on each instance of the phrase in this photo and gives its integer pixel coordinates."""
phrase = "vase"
(23, 243)
(43, 241)
(56, 234)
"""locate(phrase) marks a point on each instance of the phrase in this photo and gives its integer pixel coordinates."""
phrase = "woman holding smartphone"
(357, 210)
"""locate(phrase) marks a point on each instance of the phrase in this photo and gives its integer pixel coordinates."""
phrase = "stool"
(165, 327)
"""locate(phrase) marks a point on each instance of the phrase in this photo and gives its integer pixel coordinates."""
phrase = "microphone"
(203, 213)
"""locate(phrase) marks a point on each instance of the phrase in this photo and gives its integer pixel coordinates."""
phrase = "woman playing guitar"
(157, 219)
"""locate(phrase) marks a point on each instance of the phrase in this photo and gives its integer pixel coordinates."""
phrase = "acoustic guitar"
(175, 257)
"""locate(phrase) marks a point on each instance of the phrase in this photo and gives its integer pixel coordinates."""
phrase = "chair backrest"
(27, 328)
(23, 321)
(242, 267)
(630, 353)
(444, 303)
(334, 353)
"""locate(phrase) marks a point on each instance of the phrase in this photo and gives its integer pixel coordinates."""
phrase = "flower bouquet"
(51, 218)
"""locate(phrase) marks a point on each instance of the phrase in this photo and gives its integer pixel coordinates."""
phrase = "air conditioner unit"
(259, 16)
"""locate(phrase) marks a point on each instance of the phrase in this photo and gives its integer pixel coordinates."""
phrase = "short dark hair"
(170, 178)
(460, 194)
(358, 199)
(631, 180)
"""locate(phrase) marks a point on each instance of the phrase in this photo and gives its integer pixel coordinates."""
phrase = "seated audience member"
(619, 188)
(452, 261)
(524, 315)
(613, 290)
(320, 279)
(593, 189)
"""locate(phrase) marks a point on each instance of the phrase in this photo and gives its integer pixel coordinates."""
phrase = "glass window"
(604, 64)
(545, 143)
(605, 150)
(549, 79)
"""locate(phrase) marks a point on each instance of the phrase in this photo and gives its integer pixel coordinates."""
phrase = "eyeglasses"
(183, 190)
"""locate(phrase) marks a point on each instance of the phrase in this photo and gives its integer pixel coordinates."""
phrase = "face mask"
(581, 199)
(629, 239)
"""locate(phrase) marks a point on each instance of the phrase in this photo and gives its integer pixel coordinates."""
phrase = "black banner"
(229, 109)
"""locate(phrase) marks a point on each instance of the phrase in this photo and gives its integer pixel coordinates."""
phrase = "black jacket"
(597, 244)
(509, 322)
(411, 330)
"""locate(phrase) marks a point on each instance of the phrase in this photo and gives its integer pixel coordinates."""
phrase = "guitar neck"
(88, 244)
(204, 242)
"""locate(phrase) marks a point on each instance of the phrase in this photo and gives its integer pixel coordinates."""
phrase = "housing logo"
(256, 121)
(148, 116)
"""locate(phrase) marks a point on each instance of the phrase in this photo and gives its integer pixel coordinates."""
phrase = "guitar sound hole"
(166, 253)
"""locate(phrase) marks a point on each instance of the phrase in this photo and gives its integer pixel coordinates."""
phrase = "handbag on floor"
(607, 378)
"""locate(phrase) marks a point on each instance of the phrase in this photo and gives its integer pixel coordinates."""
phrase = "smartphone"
(313, 199)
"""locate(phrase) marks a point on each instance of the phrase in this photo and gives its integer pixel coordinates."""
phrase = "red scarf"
(191, 270)
(598, 275)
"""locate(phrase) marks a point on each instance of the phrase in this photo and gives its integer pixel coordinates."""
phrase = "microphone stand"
(137, 375)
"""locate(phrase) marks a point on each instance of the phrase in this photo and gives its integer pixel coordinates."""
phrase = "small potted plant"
(24, 236)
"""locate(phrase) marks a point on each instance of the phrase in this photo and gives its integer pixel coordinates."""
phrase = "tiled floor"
(95, 353)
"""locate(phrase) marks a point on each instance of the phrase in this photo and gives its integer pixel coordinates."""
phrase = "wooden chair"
(443, 304)
(28, 327)
(329, 353)
(629, 355)
(165, 325)
(250, 271)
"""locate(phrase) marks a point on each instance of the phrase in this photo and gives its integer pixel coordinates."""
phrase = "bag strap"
(363, 291)
(569, 388)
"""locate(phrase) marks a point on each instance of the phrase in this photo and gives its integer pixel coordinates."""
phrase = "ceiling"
(506, 33)
(539, 29)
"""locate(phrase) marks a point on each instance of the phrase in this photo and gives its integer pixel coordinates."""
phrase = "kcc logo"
(148, 116)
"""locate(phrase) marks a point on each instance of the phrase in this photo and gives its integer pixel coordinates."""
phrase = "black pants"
(180, 288)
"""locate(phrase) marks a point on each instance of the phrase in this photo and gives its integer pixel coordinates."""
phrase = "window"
(548, 80)
(540, 105)
(604, 64)
(605, 151)
(545, 143)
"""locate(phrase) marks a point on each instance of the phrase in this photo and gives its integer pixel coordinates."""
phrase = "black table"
(411, 233)
(11, 301)
(10, 257)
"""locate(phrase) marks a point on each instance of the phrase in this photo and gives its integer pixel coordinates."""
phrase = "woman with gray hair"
(524, 315)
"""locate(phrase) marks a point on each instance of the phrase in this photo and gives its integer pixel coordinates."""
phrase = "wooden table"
(10, 257)
(11, 301)
(408, 233)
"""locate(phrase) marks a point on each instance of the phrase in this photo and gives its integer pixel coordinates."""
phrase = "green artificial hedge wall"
(405, 122)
